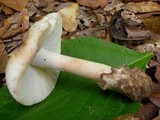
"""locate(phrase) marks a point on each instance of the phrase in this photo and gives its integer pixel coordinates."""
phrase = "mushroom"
(32, 70)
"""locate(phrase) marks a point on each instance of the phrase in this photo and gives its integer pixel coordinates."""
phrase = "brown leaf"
(155, 95)
(147, 47)
(3, 58)
(5, 27)
(113, 5)
(31, 8)
(64, 0)
(141, 7)
(108, 18)
(157, 75)
(62, 5)
(12, 33)
(69, 15)
(50, 5)
(148, 15)
(11, 48)
(17, 5)
(157, 54)
(157, 118)
(128, 117)
(40, 3)
(13, 43)
(152, 24)
(130, 18)
(135, 1)
(137, 32)
(88, 18)
(19, 22)
(99, 32)
(92, 3)
(149, 111)
(6, 9)
(15, 18)
(24, 19)
(118, 28)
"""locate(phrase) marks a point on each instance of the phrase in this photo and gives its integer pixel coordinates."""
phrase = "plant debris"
(3, 58)
(69, 15)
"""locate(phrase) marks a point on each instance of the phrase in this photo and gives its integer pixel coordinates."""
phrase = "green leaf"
(77, 98)
(105, 52)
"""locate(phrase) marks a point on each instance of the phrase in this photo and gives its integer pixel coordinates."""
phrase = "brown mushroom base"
(133, 83)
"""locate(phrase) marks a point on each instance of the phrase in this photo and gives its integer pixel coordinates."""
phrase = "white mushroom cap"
(29, 84)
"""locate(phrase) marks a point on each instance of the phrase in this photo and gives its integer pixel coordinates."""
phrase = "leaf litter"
(131, 23)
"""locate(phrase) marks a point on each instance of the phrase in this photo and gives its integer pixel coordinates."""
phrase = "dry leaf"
(99, 32)
(152, 24)
(69, 15)
(142, 7)
(108, 18)
(134, 1)
(17, 5)
(137, 32)
(157, 75)
(15, 18)
(64, 0)
(155, 95)
(13, 43)
(40, 3)
(113, 5)
(127, 117)
(31, 8)
(12, 33)
(24, 19)
(11, 48)
(5, 27)
(62, 5)
(149, 111)
(92, 3)
(131, 18)
(3, 58)
(147, 15)
(6, 9)
(89, 18)
(158, 117)
(125, 31)
(50, 5)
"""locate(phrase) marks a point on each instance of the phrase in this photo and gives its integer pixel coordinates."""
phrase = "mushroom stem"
(132, 82)
(92, 70)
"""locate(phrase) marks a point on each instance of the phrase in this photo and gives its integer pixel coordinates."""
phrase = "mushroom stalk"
(130, 82)
(88, 69)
